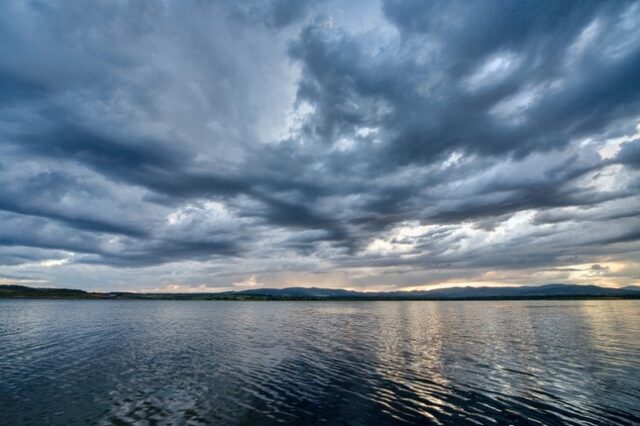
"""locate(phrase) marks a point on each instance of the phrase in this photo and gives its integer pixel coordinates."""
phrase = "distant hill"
(549, 291)
(299, 292)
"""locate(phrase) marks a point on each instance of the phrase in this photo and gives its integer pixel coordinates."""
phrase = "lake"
(356, 363)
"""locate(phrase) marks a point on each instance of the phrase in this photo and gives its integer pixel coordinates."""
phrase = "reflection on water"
(126, 362)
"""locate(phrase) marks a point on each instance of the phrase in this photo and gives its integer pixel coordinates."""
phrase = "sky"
(201, 145)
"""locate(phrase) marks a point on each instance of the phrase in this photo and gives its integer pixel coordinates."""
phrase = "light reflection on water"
(122, 362)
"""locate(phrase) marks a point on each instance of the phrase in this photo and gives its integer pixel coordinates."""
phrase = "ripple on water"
(192, 363)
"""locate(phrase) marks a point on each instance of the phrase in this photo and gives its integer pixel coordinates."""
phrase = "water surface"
(360, 363)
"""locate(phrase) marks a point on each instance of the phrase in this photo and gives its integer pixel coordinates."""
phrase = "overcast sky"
(210, 145)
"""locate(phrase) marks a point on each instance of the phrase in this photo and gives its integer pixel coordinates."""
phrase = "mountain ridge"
(555, 289)
(546, 291)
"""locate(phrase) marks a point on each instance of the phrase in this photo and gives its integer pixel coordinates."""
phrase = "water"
(173, 362)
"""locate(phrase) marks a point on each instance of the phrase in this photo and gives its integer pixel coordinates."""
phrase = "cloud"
(250, 282)
(196, 144)
(630, 154)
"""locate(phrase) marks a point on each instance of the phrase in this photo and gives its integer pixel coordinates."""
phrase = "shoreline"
(325, 299)
(311, 294)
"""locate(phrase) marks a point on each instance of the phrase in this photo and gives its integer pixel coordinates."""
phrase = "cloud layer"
(400, 144)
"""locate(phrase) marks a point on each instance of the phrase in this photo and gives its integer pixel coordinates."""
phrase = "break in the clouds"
(396, 144)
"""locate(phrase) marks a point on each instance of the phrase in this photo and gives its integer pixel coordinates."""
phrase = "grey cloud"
(274, 13)
(424, 114)
(630, 154)
(284, 137)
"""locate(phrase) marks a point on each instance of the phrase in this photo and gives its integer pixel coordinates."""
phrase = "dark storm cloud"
(44, 190)
(163, 251)
(11, 255)
(352, 85)
(159, 167)
(630, 154)
(155, 164)
(14, 88)
(449, 136)
(275, 13)
(443, 45)
(91, 247)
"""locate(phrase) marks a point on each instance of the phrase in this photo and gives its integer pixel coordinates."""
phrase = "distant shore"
(489, 293)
